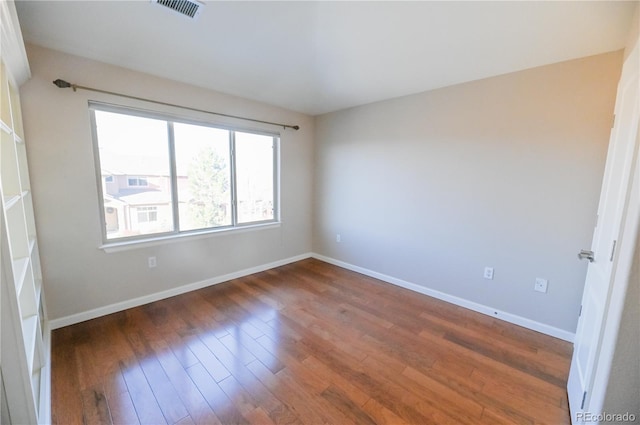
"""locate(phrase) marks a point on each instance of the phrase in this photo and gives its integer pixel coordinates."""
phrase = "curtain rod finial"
(62, 84)
(296, 127)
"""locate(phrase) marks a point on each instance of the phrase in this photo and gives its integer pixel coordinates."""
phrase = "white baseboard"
(480, 308)
(508, 317)
(146, 299)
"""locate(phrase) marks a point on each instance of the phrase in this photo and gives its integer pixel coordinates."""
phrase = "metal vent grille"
(190, 8)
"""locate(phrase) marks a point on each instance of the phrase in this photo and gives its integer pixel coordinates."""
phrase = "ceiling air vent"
(190, 8)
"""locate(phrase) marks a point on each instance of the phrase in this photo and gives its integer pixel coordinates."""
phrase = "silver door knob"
(586, 255)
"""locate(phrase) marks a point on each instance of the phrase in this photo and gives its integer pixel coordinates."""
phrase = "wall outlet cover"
(488, 272)
(541, 285)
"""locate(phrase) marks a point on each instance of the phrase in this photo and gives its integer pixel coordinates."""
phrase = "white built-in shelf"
(16, 110)
(27, 296)
(36, 384)
(10, 201)
(21, 153)
(20, 267)
(9, 166)
(38, 289)
(4, 127)
(30, 333)
(37, 376)
(30, 219)
(28, 345)
(17, 231)
(35, 262)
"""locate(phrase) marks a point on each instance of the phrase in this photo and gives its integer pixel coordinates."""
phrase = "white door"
(601, 271)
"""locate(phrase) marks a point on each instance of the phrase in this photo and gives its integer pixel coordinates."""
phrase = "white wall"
(502, 172)
(79, 276)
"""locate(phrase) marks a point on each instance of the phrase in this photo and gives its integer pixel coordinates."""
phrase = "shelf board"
(20, 267)
(10, 201)
(30, 331)
(5, 127)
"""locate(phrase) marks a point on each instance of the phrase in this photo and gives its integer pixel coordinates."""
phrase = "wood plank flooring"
(306, 343)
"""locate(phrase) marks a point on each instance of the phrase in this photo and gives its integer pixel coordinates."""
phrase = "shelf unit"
(24, 344)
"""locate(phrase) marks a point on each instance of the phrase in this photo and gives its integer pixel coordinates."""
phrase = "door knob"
(586, 255)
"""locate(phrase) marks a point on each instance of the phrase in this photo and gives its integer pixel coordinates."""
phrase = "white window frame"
(128, 242)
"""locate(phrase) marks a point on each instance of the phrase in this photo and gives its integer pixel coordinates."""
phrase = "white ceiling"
(316, 57)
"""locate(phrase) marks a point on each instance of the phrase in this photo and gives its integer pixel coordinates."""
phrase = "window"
(168, 176)
(137, 181)
(147, 214)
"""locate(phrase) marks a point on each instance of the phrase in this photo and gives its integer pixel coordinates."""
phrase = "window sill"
(182, 237)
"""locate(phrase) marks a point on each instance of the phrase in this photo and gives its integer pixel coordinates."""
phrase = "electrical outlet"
(488, 273)
(541, 285)
(338, 238)
(152, 262)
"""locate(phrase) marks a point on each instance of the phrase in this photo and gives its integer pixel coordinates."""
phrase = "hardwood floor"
(306, 343)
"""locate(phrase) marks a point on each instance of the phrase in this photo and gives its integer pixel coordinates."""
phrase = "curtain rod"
(65, 84)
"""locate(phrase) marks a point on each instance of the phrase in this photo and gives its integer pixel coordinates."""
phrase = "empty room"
(319, 212)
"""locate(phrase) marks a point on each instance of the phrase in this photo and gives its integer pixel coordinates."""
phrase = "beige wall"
(430, 188)
(81, 277)
(502, 172)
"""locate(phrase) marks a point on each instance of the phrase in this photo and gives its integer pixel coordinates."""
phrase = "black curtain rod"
(65, 84)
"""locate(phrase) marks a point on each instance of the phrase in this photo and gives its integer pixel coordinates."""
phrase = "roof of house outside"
(133, 165)
(143, 197)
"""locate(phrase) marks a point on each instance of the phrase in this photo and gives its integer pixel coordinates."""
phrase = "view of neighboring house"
(135, 204)
(137, 194)
(201, 177)
(137, 197)
(137, 186)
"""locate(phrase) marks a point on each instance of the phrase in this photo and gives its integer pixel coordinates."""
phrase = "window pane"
(134, 160)
(254, 177)
(204, 176)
